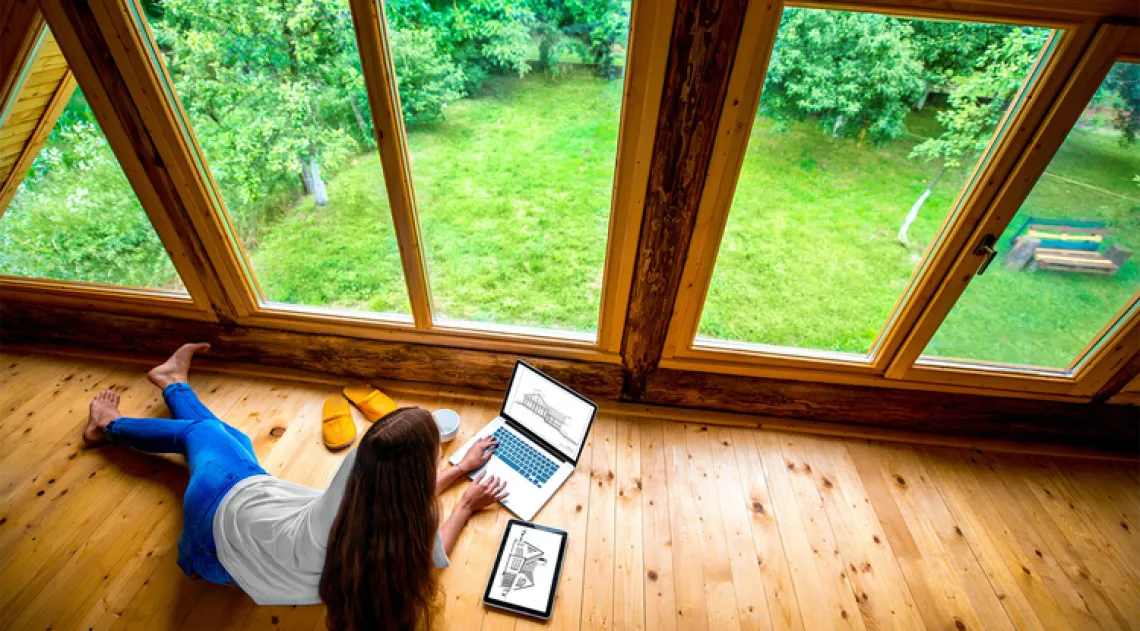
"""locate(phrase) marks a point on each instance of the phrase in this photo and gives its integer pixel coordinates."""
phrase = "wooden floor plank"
(819, 604)
(779, 591)
(671, 526)
(629, 585)
(880, 588)
(747, 579)
(688, 576)
(657, 544)
(913, 484)
(1033, 555)
(720, 591)
(1104, 587)
(838, 584)
(939, 599)
(598, 577)
(1023, 596)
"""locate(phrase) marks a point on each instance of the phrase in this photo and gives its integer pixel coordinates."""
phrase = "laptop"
(541, 430)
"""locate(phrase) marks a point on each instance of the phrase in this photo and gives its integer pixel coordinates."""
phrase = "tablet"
(525, 575)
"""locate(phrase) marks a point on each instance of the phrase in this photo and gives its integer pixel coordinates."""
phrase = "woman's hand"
(484, 491)
(479, 454)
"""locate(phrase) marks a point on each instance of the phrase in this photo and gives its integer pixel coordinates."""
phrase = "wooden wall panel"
(355, 358)
(1101, 426)
(1113, 427)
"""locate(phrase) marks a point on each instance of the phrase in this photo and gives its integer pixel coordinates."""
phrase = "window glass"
(512, 112)
(276, 98)
(869, 127)
(1065, 268)
(73, 216)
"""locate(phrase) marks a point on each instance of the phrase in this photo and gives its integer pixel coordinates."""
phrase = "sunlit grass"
(514, 192)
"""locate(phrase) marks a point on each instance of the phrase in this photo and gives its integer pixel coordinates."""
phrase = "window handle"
(986, 249)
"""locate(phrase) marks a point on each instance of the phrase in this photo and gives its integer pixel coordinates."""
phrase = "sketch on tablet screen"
(525, 557)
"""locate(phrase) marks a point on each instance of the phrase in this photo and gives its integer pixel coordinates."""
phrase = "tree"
(592, 28)
(977, 103)
(1123, 81)
(856, 73)
(951, 49)
(273, 89)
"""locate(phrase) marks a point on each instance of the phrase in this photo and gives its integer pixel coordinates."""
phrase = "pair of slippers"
(337, 427)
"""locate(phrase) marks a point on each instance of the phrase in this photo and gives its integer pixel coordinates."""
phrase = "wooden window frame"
(150, 83)
(194, 302)
(1117, 341)
(685, 351)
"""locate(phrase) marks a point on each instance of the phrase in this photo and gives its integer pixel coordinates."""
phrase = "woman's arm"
(484, 491)
(476, 457)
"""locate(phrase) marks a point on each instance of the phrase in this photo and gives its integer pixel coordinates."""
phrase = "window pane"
(276, 98)
(74, 215)
(869, 126)
(1066, 268)
(512, 114)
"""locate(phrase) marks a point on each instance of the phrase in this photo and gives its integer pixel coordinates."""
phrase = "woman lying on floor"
(366, 546)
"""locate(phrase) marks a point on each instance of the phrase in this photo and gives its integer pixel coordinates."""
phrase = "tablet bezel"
(490, 601)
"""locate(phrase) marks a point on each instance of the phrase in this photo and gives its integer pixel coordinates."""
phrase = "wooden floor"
(671, 526)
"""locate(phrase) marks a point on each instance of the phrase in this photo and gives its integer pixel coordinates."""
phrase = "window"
(1066, 273)
(277, 102)
(512, 115)
(70, 213)
(869, 128)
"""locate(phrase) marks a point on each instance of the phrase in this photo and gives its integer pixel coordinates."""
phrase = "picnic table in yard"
(1065, 246)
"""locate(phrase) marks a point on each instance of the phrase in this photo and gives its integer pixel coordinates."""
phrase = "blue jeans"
(219, 456)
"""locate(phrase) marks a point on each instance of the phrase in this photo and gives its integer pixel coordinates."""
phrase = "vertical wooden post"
(704, 42)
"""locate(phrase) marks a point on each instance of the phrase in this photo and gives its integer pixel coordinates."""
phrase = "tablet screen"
(527, 568)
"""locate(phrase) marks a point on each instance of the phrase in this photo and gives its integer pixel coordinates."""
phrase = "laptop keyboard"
(528, 461)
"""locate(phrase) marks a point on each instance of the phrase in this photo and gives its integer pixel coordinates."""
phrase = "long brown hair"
(378, 566)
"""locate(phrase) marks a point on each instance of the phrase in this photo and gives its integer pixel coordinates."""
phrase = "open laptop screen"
(549, 409)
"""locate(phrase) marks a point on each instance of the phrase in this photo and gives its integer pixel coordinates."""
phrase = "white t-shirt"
(271, 536)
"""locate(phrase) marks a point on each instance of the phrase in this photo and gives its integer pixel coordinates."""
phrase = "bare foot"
(104, 409)
(177, 368)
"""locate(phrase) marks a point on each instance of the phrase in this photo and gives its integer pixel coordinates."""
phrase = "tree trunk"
(913, 214)
(922, 101)
(359, 117)
(314, 185)
(839, 121)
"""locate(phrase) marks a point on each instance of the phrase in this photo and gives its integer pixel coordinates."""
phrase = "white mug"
(448, 422)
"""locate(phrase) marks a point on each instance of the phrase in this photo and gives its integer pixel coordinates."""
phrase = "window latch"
(986, 249)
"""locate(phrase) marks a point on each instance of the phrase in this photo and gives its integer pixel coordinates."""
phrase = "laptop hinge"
(547, 447)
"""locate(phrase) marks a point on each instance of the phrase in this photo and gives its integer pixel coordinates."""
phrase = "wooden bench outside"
(1064, 246)
(1081, 261)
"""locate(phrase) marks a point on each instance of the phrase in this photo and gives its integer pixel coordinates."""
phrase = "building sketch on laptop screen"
(549, 410)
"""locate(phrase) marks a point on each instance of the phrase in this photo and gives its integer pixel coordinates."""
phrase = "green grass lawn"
(514, 192)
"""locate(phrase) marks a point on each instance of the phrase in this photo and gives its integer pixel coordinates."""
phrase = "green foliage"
(266, 88)
(952, 49)
(487, 37)
(1123, 82)
(856, 73)
(979, 99)
(75, 217)
(429, 80)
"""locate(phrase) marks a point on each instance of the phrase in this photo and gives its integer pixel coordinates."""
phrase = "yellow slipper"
(373, 403)
(337, 428)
